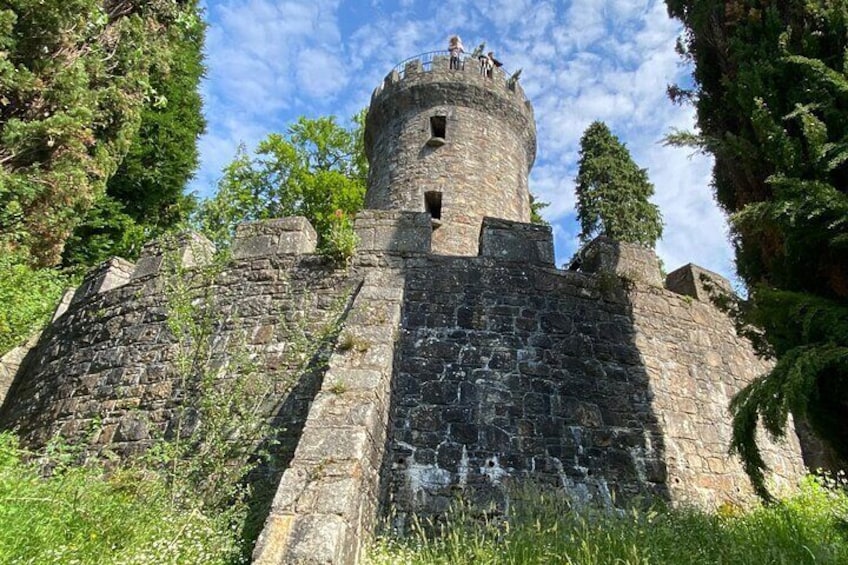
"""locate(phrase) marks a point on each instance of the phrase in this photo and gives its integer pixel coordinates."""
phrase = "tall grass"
(78, 515)
(545, 529)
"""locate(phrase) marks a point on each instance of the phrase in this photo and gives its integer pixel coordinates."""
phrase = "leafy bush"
(545, 528)
(28, 297)
(339, 244)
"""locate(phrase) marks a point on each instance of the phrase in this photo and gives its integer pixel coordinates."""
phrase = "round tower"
(452, 142)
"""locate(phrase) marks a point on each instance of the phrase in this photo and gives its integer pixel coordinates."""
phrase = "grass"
(544, 529)
(79, 515)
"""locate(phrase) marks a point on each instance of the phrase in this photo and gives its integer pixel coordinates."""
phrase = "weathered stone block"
(697, 282)
(11, 362)
(64, 303)
(516, 241)
(108, 275)
(188, 250)
(393, 231)
(284, 236)
(628, 260)
(320, 539)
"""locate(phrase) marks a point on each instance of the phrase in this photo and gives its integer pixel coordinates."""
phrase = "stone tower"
(451, 142)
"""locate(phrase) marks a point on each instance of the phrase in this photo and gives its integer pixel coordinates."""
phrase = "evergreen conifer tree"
(146, 195)
(75, 76)
(612, 191)
(771, 91)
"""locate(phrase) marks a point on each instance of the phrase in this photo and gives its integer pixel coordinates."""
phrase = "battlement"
(600, 381)
(437, 64)
(467, 86)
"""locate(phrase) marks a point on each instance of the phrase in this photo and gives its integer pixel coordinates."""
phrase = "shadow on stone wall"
(104, 371)
(601, 383)
(513, 371)
(288, 418)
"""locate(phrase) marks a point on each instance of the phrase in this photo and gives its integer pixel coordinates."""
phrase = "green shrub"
(339, 244)
(28, 297)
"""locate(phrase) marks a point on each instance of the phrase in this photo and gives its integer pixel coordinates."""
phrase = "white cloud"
(320, 73)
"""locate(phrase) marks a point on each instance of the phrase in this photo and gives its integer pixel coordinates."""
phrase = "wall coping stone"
(190, 248)
(697, 282)
(64, 303)
(509, 240)
(325, 506)
(111, 274)
(293, 235)
(630, 260)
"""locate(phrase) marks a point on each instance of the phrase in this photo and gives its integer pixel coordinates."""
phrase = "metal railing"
(428, 58)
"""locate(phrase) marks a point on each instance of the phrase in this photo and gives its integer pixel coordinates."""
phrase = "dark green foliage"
(536, 207)
(75, 76)
(71, 89)
(145, 196)
(315, 170)
(612, 191)
(772, 98)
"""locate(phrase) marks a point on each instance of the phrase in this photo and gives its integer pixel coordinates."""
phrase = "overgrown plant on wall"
(771, 92)
(339, 244)
(218, 417)
(220, 430)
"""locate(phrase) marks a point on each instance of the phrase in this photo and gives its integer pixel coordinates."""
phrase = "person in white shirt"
(455, 48)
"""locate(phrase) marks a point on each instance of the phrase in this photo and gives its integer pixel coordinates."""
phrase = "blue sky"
(270, 61)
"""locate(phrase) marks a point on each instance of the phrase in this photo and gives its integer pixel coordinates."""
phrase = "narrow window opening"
(438, 126)
(433, 204)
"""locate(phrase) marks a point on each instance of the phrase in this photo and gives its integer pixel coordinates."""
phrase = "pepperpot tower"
(451, 142)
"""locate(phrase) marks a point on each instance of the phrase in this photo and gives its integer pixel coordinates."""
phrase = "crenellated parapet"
(467, 86)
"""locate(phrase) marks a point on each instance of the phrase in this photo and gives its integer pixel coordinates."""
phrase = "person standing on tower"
(488, 63)
(455, 48)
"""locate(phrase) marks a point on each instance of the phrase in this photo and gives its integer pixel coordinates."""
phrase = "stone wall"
(479, 168)
(108, 363)
(451, 375)
(607, 387)
(327, 502)
(696, 363)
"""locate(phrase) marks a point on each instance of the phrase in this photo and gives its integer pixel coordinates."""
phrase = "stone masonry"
(435, 366)
(449, 376)
(478, 166)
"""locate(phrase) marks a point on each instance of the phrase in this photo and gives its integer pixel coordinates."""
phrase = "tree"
(74, 77)
(315, 169)
(612, 191)
(146, 195)
(536, 207)
(771, 94)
